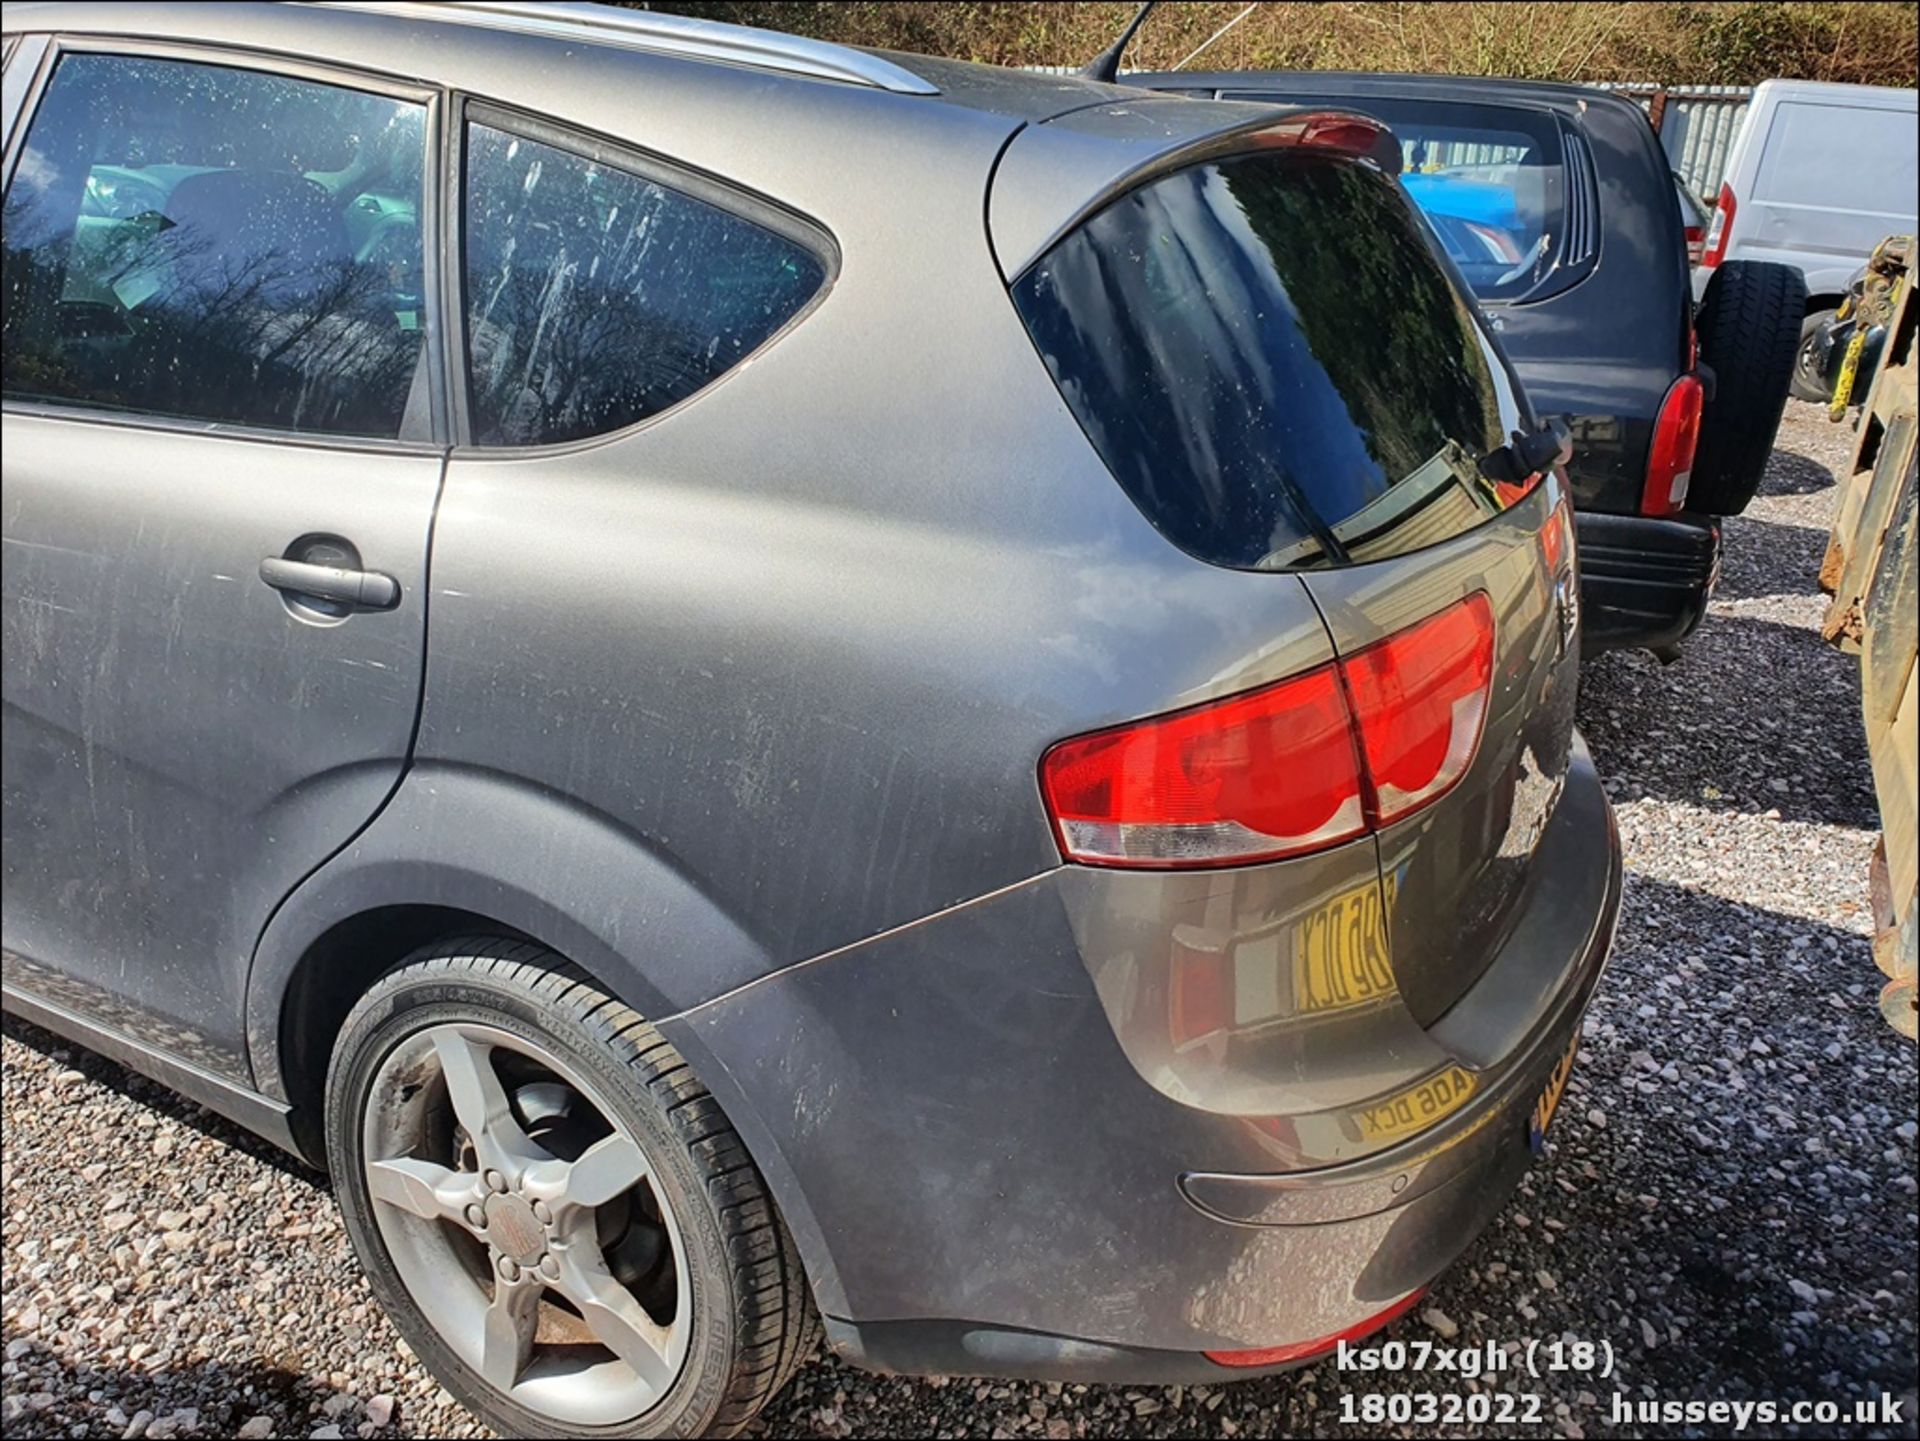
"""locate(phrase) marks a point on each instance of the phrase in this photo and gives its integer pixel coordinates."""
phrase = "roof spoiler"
(1055, 174)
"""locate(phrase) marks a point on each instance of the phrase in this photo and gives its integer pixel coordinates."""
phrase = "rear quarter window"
(598, 296)
(1274, 364)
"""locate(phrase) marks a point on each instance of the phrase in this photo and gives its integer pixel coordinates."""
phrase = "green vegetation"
(1724, 42)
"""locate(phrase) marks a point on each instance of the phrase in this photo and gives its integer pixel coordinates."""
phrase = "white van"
(1819, 175)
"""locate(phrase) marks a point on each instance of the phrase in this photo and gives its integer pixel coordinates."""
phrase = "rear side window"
(1274, 364)
(214, 244)
(597, 297)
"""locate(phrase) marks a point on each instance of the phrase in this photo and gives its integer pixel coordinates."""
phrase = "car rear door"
(221, 465)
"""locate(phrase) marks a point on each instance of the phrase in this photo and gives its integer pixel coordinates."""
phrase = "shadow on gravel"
(156, 1097)
(1755, 716)
(1764, 558)
(1791, 473)
(1802, 961)
(212, 1387)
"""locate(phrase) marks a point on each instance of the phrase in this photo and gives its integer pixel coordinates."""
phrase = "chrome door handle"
(361, 589)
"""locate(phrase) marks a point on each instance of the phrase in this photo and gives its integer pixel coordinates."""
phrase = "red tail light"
(1279, 771)
(1696, 244)
(1720, 231)
(1419, 698)
(1269, 773)
(1321, 1345)
(1670, 458)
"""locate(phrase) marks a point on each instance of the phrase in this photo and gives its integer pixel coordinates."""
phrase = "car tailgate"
(1454, 871)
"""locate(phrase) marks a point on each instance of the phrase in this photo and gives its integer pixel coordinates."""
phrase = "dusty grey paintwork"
(741, 710)
(180, 749)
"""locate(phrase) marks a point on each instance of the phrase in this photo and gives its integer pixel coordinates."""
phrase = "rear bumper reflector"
(1320, 1346)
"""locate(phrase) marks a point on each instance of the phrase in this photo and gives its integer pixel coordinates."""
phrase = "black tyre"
(554, 1212)
(1749, 330)
(1808, 383)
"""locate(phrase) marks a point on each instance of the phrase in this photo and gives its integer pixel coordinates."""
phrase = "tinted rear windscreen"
(1273, 363)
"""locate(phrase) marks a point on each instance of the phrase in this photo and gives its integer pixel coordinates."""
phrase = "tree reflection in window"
(205, 243)
(597, 297)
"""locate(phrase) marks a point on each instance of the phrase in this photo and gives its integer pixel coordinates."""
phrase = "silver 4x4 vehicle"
(749, 684)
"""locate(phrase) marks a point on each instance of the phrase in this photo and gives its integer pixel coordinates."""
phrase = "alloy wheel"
(524, 1218)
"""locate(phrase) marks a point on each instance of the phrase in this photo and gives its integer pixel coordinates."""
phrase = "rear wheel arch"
(348, 958)
(758, 1323)
(463, 852)
(325, 983)
(459, 852)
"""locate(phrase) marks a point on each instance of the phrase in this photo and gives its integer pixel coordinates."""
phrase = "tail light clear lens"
(1420, 700)
(1266, 774)
(1720, 228)
(1676, 435)
(1293, 767)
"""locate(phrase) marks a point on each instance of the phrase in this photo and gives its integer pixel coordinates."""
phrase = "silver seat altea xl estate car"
(754, 685)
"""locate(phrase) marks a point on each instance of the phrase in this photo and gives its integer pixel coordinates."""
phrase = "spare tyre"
(1749, 330)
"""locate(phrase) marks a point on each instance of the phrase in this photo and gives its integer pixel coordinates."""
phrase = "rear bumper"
(988, 1174)
(1644, 582)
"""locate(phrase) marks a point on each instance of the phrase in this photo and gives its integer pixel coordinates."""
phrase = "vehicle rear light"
(1676, 435)
(1720, 229)
(1420, 700)
(1556, 537)
(1321, 1345)
(1293, 767)
(1200, 995)
(1335, 130)
(1696, 244)
(1266, 774)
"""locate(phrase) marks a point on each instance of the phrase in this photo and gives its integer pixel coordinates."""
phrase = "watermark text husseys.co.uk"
(1883, 1410)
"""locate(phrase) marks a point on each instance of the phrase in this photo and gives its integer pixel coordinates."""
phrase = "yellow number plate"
(1340, 953)
(1549, 1101)
(1417, 1107)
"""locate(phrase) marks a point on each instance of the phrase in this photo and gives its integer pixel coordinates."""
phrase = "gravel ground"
(1730, 1203)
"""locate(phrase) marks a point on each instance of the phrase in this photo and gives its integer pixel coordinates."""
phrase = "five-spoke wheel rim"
(526, 1222)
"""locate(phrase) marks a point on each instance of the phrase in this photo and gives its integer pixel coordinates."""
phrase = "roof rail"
(670, 35)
